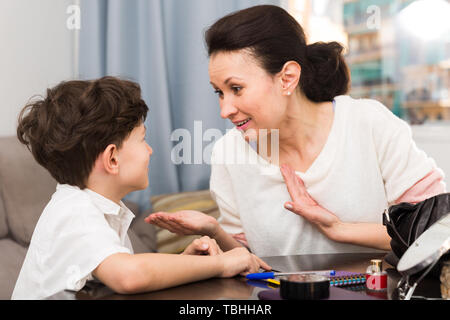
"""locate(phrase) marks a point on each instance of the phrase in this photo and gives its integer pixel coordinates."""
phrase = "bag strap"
(387, 221)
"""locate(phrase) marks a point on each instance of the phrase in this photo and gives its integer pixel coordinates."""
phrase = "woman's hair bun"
(326, 74)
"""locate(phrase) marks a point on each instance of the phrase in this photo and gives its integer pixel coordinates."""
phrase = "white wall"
(36, 52)
(434, 139)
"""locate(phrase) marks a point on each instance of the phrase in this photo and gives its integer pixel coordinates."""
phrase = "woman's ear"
(289, 77)
(110, 159)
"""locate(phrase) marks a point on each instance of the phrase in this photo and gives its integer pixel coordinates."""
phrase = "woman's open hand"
(305, 206)
(185, 222)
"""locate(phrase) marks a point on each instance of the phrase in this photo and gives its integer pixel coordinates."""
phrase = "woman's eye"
(218, 92)
(236, 89)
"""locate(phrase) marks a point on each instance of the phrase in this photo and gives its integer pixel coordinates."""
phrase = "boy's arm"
(127, 273)
(132, 273)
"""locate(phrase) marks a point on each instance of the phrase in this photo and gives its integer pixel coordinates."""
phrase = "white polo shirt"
(77, 230)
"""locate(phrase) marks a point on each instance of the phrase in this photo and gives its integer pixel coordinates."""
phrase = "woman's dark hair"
(67, 130)
(274, 37)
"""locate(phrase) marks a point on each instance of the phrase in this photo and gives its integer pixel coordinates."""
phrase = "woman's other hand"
(185, 222)
(305, 206)
(241, 238)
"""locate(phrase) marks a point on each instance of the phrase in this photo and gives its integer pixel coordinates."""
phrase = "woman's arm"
(364, 234)
(371, 235)
(429, 186)
(226, 241)
(190, 222)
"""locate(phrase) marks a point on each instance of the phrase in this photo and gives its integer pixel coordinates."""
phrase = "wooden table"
(238, 288)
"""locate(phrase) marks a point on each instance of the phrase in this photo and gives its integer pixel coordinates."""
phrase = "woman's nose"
(227, 109)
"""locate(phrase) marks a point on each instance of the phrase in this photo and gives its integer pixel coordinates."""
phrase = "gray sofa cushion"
(25, 187)
(145, 232)
(142, 239)
(3, 224)
(11, 262)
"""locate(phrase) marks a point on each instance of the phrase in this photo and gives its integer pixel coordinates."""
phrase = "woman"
(341, 161)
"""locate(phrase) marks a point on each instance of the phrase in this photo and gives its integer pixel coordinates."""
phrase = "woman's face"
(246, 92)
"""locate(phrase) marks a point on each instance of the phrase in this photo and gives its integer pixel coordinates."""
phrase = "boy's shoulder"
(67, 197)
(68, 207)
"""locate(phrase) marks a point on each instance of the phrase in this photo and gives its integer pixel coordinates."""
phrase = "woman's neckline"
(314, 164)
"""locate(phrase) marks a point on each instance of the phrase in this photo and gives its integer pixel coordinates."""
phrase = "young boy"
(90, 136)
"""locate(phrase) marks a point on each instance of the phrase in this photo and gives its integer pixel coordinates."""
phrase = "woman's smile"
(242, 125)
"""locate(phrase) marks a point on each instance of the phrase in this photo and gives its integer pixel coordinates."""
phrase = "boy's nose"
(150, 150)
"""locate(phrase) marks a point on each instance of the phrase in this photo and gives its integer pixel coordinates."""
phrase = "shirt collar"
(102, 203)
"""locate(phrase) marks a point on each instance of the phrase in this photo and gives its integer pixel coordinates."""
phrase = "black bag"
(405, 222)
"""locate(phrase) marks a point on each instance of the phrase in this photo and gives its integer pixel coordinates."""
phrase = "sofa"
(26, 188)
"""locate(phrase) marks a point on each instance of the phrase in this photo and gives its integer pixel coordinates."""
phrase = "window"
(398, 51)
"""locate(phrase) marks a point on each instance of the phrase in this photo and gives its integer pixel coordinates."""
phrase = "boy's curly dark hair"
(67, 130)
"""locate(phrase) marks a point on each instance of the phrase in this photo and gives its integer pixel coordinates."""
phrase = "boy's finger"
(213, 250)
(263, 264)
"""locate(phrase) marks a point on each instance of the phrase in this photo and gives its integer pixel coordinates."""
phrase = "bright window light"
(426, 19)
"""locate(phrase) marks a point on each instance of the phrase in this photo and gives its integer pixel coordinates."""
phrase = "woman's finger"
(163, 224)
(291, 206)
(180, 228)
(151, 217)
(291, 183)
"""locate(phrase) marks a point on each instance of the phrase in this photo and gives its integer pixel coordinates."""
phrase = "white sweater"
(368, 161)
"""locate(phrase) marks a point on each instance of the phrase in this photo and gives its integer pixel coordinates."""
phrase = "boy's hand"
(185, 222)
(203, 246)
(240, 261)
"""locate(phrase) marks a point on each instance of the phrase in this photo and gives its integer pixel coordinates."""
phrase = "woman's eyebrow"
(226, 81)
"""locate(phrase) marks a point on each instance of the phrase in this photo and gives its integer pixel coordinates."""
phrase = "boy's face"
(134, 158)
